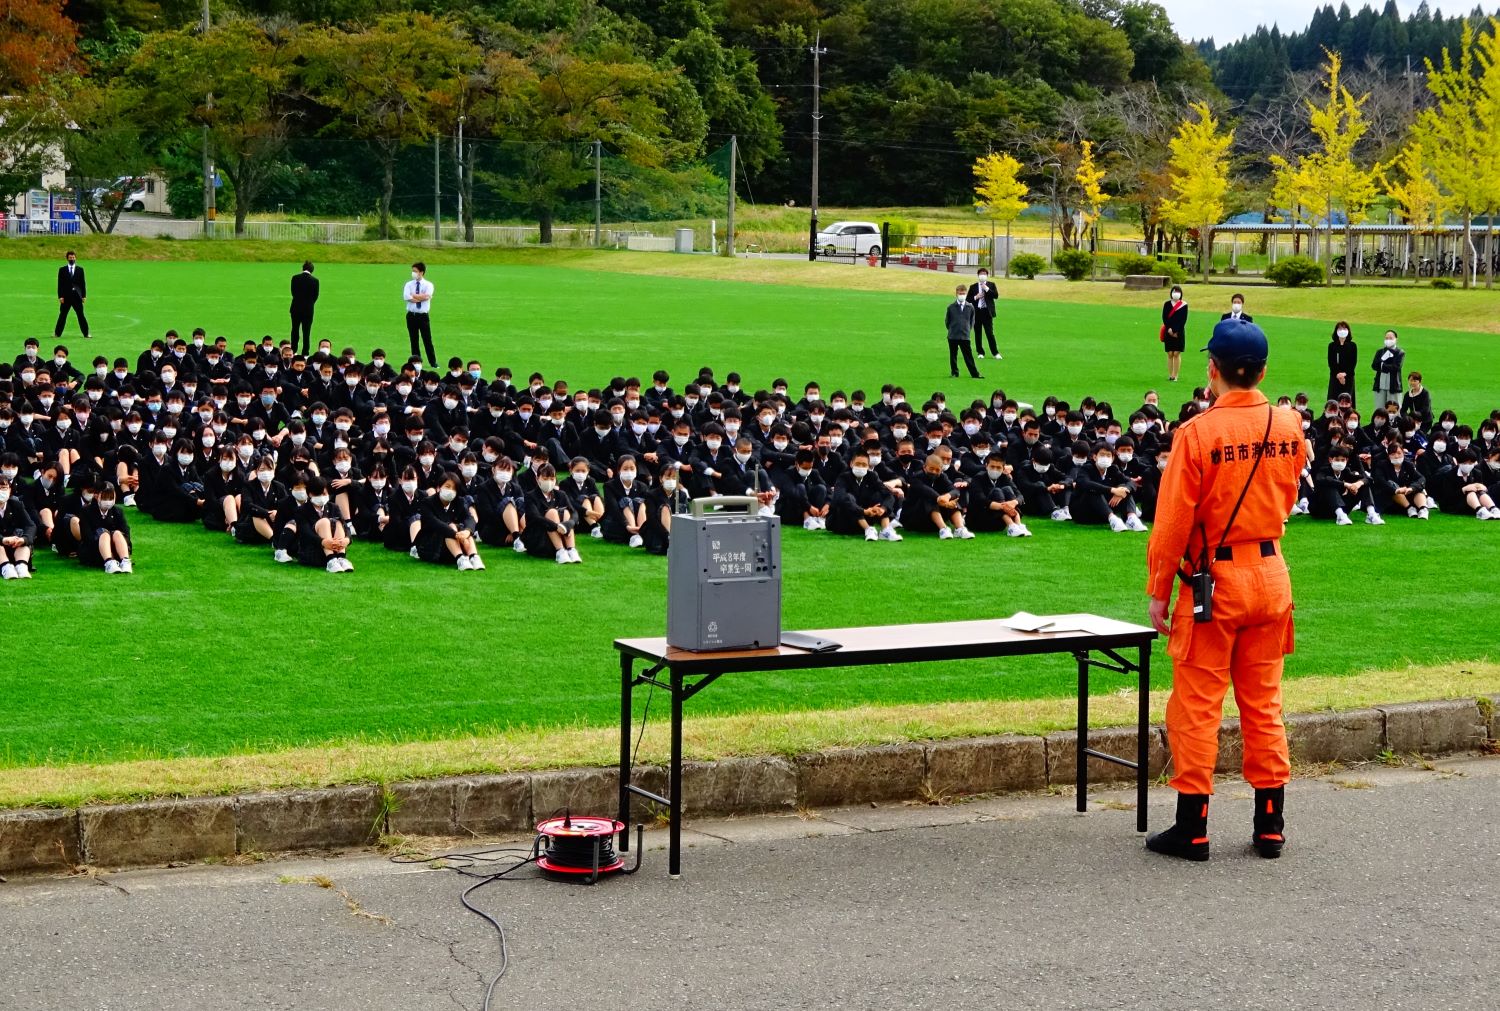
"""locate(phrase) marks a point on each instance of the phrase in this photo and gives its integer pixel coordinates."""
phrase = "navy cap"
(1238, 341)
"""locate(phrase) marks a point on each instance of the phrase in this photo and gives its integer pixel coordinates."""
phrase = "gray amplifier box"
(724, 578)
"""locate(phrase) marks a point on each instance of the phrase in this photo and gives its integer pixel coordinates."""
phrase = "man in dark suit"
(982, 295)
(72, 291)
(304, 297)
(1237, 309)
(960, 323)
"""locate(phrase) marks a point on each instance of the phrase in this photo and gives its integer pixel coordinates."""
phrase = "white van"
(849, 238)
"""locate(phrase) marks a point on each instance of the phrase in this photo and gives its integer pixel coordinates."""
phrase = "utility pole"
(462, 229)
(817, 118)
(437, 189)
(733, 151)
(598, 205)
(209, 210)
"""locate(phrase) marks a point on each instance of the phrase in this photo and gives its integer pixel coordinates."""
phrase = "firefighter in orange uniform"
(1230, 483)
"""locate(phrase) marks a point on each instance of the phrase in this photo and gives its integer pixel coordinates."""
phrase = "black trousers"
(984, 325)
(954, 347)
(302, 324)
(76, 305)
(419, 325)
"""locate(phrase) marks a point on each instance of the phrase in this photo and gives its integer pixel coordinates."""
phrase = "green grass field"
(211, 649)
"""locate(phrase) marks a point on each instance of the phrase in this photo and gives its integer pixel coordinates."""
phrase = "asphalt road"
(1387, 898)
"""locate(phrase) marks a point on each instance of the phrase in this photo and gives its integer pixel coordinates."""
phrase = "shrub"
(1027, 265)
(1444, 283)
(903, 232)
(1295, 271)
(1134, 263)
(1074, 264)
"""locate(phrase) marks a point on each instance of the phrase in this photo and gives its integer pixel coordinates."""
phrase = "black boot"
(1188, 837)
(1268, 838)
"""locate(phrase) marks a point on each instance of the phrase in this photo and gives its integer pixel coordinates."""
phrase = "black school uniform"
(1330, 495)
(490, 501)
(216, 487)
(616, 499)
(260, 501)
(180, 489)
(657, 536)
(1089, 503)
(440, 520)
(537, 525)
(982, 493)
(1036, 498)
(922, 496)
(17, 521)
(93, 521)
(308, 545)
(1385, 479)
(404, 508)
(851, 496)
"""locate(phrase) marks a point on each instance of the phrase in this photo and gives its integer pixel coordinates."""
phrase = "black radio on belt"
(1202, 584)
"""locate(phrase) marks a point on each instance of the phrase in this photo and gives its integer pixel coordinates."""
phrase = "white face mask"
(1075, 429)
(627, 476)
(342, 466)
(1390, 342)
(226, 466)
(426, 461)
(1338, 466)
(581, 477)
(1465, 469)
(546, 487)
(835, 441)
(1124, 457)
(320, 501)
(267, 476)
(681, 440)
(1104, 461)
(245, 452)
(377, 483)
(410, 487)
(742, 457)
(159, 451)
(184, 459)
(713, 444)
(1040, 468)
(1440, 446)
(858, 472)
(1139, 428)
(1203, 405)
(415, 276)
(1446, 426)
(447, 494)
(1008, 417)
(668, 484)
(970, 428)
(1341, 332)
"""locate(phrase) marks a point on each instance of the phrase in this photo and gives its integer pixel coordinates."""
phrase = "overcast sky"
(1227, 21)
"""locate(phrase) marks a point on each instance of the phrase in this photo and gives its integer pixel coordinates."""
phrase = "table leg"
(627, 691)
(1143, 739)
(1083, 732)
(674, 845)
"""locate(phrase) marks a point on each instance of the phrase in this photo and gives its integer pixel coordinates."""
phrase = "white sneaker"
(1411, 511)
(333, 565)
(111, 567)
(563, 557)
(346, 565)
(1422, 513)
(128, 501)
(1374, 519)
(1116, 524)
(518, 546)
(574, 557)
(822, 522)
(126, 567)
(1341, 518)
(597, 533)
(475, 562)
(413, 552)
(282, 555)
(870, 535)
(896, 523)
(1133, 522)
(463, 563)
(945, 534)
(889, 534)
(23, 571)
(1482, 514)
(1302, 507)
(999, 357)
(636, 540)
(1015, 530)
(1067, 514)
(811, 523)
(1059, 514)
(964, 534)
(8, 571)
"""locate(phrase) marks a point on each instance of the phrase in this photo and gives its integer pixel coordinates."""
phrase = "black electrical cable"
(577, 851)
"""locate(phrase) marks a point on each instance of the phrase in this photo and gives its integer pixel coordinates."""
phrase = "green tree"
(107, 141)
(553, 103)
(393, 83)
(250, 71)
(1200, 178)
(1000, 193)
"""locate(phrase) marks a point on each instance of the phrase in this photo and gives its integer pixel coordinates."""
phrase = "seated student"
(588, 504)
(667, 499)
(17, 533)
(500, 507)
(262, 500)
(932, 503)
(1102, 494)
(861, 502)
(67, 531)
(1491, 475)
(1396, 482)
(624, 505)
(372, 504)
(1154, 471)
(549, 520)
(222, 488)
(447, 533)
(803, 496)
(1465, 491)
(1144, 478)
(106, 535)
(743, 475)
(343, 482)
(710, 462)
(1340, 487)
(406, 513)
(320, 535)
(1044, 488)
(182, 495)
(993, 502)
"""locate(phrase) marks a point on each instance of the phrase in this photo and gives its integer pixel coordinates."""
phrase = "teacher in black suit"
(982, 295)
(304, 297)
(72, 291)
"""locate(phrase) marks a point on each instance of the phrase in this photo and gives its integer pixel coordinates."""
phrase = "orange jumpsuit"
(1251, 631)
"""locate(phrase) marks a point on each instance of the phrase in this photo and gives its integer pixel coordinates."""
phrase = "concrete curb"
(156, 832)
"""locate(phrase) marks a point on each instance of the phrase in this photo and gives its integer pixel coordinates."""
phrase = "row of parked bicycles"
(1382, 264)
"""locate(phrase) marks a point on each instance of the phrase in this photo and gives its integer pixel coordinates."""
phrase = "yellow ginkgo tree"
(1000, 193)
(1090, 179)
(1200, 178)
(1416, 192)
